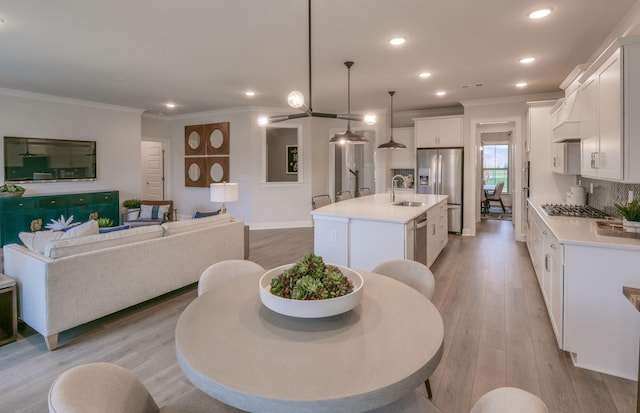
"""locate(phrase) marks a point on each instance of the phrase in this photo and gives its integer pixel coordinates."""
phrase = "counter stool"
(8, 310)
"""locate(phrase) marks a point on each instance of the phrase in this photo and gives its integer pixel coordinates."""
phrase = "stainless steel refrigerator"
(440, 173)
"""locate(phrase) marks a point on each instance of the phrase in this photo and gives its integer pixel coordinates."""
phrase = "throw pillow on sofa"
(154, 211)
(37, 241)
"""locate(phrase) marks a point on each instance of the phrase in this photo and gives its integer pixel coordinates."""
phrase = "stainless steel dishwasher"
(420, 243)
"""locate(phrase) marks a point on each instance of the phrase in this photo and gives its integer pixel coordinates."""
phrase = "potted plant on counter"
(631, 215)
(133, 208)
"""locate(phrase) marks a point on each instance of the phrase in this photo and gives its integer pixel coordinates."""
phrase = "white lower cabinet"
(582, 289)
(547, 258)
(601, 327)
(437, 231)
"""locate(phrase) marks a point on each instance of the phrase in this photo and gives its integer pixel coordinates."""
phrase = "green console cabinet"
(18, 214)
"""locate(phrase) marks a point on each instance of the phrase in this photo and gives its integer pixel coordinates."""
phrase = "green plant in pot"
(132, 203)
(631, 214)
(133, 208)
(104, 222)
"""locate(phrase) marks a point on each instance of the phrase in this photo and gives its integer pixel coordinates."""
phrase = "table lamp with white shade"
(224, 192)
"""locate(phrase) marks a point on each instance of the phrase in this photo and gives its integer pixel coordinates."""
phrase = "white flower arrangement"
(60, 224)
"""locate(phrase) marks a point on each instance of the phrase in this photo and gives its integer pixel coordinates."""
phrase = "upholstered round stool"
(508, 400)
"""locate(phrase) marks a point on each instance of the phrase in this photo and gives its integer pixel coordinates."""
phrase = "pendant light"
(297, 100)
(392, 144)
(348, 136)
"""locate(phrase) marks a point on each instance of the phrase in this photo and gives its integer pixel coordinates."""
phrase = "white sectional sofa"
(77, 280)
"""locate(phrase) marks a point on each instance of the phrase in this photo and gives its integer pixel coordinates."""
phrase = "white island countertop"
(580, 231)
(379, 207)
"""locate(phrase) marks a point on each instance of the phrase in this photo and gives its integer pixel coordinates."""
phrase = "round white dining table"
(238, 351)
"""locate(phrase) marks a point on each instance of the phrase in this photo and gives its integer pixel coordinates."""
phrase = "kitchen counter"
(581, 275)
(580, 231)
(378, 207)
(363, 232)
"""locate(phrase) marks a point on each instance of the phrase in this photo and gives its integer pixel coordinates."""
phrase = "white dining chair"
(225, 270)
(508, 400)
(109, 388)
(414, 274)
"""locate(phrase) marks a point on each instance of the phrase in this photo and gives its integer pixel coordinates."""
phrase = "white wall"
(115, 129)
(261, 204)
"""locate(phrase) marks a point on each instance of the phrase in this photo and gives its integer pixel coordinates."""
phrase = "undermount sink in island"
(363, 232)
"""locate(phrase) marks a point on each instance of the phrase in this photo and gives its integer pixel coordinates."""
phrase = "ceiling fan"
(296, 100)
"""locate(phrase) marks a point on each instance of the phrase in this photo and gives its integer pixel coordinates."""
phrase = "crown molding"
(513, 99)
(69, 101)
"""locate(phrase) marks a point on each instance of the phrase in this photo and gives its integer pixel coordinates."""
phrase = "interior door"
(152, 154)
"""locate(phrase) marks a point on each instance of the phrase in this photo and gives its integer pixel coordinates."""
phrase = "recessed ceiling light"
(526, 60)
(538, 14)
(397, 41)
(441, 93)
(425, 75)
(250, 93)
(522, 84)
(170, 105)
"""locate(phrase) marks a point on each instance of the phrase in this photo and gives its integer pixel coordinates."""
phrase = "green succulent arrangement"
(630, 211)
(104, 222)
(311, 279)
(132, 203)
(11, 188)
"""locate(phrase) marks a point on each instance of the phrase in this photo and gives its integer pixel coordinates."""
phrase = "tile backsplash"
(607, 193)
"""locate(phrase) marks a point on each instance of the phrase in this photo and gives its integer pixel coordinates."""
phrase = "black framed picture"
(292, 159)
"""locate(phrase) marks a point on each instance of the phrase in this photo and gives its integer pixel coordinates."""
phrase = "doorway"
(516, 154)
(496, 172)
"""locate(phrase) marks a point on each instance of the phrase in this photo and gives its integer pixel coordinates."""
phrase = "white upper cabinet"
(438, 132)
(403, 158)
(610, 114)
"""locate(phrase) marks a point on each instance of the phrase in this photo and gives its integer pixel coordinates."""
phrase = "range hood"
(565, 114)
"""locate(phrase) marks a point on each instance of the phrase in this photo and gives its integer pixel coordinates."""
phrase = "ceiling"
(204, 54)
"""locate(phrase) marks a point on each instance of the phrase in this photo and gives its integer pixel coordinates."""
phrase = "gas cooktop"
(574, 211)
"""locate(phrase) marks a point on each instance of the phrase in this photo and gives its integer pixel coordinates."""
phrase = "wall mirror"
(216, 139)
(194, 140)
(217, 169)
(283, 154)
(194, 172)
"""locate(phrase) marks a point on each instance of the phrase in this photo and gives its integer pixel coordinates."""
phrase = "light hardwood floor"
(497, 333)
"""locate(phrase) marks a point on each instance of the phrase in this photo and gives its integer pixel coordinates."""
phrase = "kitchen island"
(363, 232)
(581, 273)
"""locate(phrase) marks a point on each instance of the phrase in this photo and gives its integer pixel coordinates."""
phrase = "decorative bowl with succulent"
(9, 190)
(311, 289)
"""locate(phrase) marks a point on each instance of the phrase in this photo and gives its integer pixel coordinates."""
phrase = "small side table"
(8, 310)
